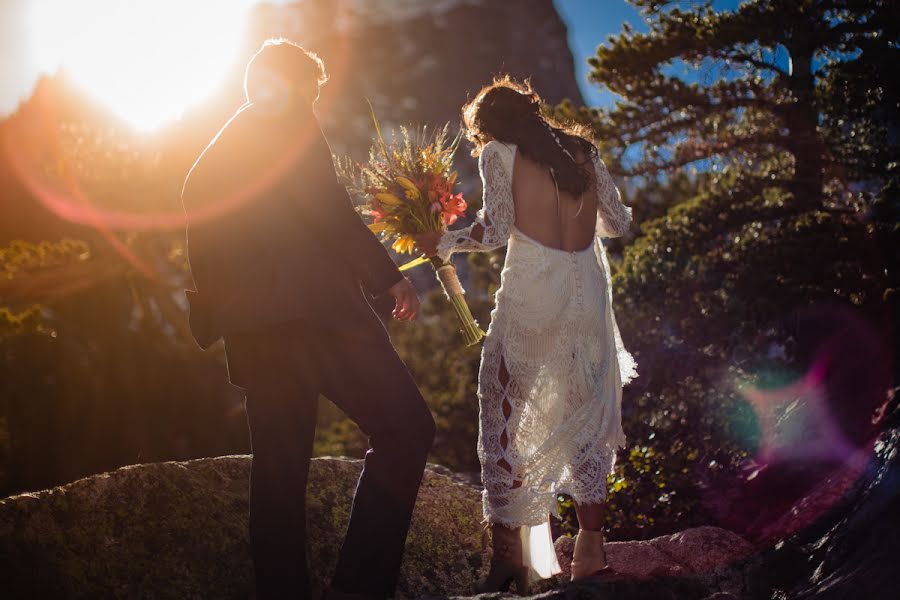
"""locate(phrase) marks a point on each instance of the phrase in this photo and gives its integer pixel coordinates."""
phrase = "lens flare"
(146, 60)
(35, 153)
(816, 429)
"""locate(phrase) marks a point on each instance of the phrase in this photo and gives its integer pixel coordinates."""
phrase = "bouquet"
(406, 188)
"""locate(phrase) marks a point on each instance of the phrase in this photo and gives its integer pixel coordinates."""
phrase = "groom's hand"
(406, 302)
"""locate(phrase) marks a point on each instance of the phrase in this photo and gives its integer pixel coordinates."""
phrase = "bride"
(553, 364)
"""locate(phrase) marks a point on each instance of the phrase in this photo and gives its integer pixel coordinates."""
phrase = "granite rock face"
(420, 61)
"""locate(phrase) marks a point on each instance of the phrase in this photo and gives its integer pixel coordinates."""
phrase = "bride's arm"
(492, 226)
(613, 217)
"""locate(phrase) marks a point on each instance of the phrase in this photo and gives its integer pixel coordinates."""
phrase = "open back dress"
(553, 363)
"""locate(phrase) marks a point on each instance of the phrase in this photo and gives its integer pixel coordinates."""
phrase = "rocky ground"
(179, 530)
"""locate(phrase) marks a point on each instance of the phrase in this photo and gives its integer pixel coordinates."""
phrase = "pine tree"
(768, 75)
(780, 89)
(788, 113)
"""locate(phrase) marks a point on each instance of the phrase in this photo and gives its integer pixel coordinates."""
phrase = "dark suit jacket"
(273, 236)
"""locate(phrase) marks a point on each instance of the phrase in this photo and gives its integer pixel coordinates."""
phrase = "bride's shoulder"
(503, 150)
(496, 146)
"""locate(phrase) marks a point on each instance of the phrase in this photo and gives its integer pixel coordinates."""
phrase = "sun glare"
(147, 60)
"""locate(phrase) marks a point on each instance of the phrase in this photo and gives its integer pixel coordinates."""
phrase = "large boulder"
(179, 530)
(694, 563)
(694, 552)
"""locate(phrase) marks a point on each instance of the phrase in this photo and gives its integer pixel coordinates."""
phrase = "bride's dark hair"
(510, 111)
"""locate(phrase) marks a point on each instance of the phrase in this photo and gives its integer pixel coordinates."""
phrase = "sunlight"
(147, 60)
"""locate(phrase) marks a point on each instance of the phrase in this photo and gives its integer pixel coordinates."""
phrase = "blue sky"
(591, 22)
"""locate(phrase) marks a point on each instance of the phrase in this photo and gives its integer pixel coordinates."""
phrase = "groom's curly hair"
(511, 111)
(282, 62)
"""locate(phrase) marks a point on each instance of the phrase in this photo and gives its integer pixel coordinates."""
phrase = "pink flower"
(376, 210)
(453, 207)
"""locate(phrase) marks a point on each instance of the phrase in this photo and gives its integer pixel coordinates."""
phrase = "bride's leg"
(591, 516)
(507, 564)
(503, 377)
(590, 556)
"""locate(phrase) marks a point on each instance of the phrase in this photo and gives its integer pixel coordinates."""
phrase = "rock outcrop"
(179, 530)
(707, 553)
(419, 61)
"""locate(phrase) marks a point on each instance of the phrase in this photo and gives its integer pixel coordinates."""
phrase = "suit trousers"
(283, 370)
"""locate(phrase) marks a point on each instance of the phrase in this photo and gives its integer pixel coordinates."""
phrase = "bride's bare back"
(520, 194)
(569, 225)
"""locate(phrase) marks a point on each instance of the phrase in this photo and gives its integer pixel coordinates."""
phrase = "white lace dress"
(552, 366)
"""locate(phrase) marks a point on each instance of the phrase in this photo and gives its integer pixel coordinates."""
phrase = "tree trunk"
(802, 123)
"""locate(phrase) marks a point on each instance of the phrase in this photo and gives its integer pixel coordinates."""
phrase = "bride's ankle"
(589, 556)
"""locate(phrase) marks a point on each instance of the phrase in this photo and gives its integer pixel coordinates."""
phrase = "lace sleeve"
(492, 226)
(613, 217)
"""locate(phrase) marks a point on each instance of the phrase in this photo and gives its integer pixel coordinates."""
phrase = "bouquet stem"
(446, 274)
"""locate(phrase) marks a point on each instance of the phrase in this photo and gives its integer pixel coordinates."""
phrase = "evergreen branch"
(759, 64)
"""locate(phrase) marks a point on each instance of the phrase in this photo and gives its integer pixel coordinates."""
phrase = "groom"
(278, 257)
